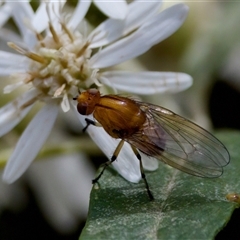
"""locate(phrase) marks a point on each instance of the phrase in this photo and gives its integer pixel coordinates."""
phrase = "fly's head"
(87, 101)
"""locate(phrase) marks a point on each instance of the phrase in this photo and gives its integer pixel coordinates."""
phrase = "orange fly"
(155, 131)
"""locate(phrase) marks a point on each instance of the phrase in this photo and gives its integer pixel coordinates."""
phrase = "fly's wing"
(179, 143)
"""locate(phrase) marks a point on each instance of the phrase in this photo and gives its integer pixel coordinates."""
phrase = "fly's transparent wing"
(180, 143)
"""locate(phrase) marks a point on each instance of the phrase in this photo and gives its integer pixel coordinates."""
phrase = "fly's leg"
(113, 158)
(90, 122)
(142, 172)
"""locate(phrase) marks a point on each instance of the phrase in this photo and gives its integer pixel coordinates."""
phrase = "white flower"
(57, 65)
(62, 187)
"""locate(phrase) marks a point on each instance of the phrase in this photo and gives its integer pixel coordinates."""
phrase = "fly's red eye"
(82, 108)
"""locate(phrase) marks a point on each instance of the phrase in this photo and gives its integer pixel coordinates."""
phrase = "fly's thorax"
(87, 101)
(120, 117)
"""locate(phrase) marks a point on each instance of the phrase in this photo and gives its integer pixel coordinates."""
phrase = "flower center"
(59, 65)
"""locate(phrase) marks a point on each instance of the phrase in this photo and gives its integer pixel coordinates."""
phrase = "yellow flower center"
(59, 64)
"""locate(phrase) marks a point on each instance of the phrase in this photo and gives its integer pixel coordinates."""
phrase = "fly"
(156, 132)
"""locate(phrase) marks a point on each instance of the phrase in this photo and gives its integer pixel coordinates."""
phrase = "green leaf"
(185, 207)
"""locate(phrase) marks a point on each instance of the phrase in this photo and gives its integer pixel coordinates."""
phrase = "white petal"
(41, 19)
(13, 197)
(8, 35)
(12, 87)
(8, 71)
(30, 142)
(62, 185)
(116, 9)
(23, 12)
(153, 31)
(149, 163)
(112, 29)
(79, 13)
(5, 13)
(65, 103)
(11, 114)
(12, 63)
(8, 59)
(126, 164)
(146, 82)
